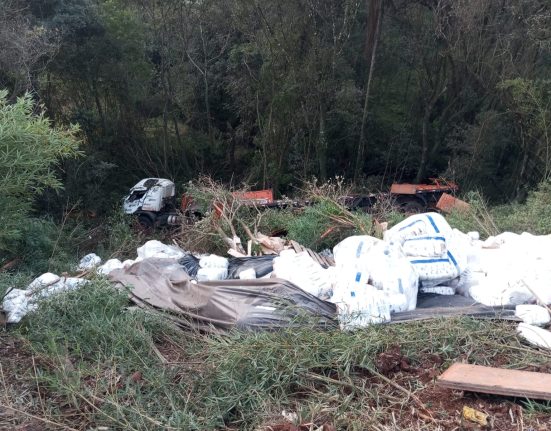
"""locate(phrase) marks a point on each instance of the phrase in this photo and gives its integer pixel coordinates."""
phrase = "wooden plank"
(296, 246)
(434, 312)
(498, 381)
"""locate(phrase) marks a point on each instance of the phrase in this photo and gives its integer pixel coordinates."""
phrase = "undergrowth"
(127, 369)
(532, 216)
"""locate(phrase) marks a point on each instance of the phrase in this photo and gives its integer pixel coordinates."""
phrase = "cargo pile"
(366, 280)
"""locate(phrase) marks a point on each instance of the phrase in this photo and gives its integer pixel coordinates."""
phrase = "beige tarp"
(221, 305)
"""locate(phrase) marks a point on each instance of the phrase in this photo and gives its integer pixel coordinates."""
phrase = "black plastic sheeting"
(218, 306)
(190, 264)
(262, 265)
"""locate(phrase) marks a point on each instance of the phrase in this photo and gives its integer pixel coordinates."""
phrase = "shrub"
(30, 148)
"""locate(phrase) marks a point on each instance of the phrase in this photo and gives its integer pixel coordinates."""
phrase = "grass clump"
(533, 216)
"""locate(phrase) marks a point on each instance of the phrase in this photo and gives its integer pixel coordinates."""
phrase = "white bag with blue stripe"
(435, 250)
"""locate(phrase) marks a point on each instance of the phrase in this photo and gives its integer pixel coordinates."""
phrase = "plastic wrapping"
(190, 264)
(262, 265)
(262, 304)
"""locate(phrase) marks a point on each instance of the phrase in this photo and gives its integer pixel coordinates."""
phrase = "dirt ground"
(430, 408)
(437, 408)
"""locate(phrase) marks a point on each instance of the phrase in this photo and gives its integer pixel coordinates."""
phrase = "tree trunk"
(425, 145)
(376, 11)
(322, 148)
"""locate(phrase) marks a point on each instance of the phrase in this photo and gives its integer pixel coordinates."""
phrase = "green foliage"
(325, 223)
(533, 216)
(48, 246)
(30, 149)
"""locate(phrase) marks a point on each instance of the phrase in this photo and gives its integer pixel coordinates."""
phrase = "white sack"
(360, 305)
(533, 314)
(89, 261)
(109, 266)
(351, 258)
(391, 272)
(419, 225)
(302, 270)
(537, 336)
(213, 261)
(157, 249)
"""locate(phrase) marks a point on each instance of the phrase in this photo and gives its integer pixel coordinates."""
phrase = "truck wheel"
(412, 206)
(145, 223)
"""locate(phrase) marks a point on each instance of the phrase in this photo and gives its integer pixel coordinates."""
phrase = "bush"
(30, 148)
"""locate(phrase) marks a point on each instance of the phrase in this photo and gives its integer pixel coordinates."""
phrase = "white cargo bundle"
(302, 270)
(351, 257)
(419, 225)
(392, 273)
(436, 251)
(360, 305)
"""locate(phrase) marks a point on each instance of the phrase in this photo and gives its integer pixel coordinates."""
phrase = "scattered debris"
(369, 280)
(17, 302)
(498, 381)
(475, 416)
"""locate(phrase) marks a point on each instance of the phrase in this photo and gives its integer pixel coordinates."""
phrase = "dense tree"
(273, 92)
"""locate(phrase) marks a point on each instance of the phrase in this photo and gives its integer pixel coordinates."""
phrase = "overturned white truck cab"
(152, 200)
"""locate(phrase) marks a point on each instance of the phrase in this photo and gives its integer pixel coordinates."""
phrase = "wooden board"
(498, 381)
(475, 311)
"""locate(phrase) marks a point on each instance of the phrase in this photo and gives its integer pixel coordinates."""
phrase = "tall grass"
(128, 369)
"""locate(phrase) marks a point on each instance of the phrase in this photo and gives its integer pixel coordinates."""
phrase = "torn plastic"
(190, 264)
(261, 265)
(265, 304)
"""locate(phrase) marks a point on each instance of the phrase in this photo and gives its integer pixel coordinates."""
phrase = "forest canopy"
(274, 92)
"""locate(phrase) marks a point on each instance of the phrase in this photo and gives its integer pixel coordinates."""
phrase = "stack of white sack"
(302, 270)
(437, 252)
(17, 303)
(372, 279)
(156, 249)
(212, 268)
(508, 269)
